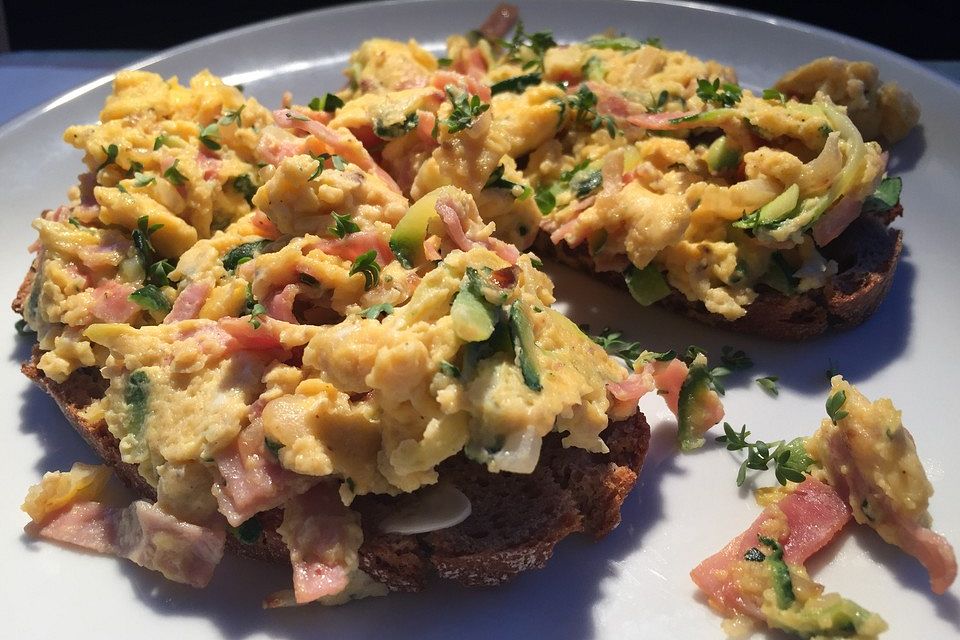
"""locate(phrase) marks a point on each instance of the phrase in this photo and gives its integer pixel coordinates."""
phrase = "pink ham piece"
(264, 225)
(188, 303)
(280, 304)
(668, 378)
(350, 150)
(471, 63)
(837, 218)
(446, 209)
(928, 547)
(632, 388)
(568, 230)
(143, 533)
(466, 83)
(503, 249)
(932, 550)
(209, 164)
(109, 253)
(317, 530)
(814, 513)
(500, 21)
(354, 245)
(450, 211)
(243, 336)
(426, 120)
(111, 301)
(660, 121)
(275, 146)
(253, 480)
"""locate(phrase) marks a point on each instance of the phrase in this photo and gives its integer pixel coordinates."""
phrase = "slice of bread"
(517, 519)
(866, 253)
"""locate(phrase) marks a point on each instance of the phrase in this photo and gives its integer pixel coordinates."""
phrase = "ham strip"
(930, 548)
(109, 253)
(467, 83)
(426, 120)
(471, 63)
(500, 21)
(280, 304)
(323, 537)
(243, 336)
(659, 121)
(111, 301)
(253, 480)
(264, 225)
(832, 223)
(354, 245)
(209, 164)
(350, 150)
(450, 212)
(815, 513)
(668, 378)
(503, 249)
(275, 146)
(143, 533)
(188, 303)
(567, 231)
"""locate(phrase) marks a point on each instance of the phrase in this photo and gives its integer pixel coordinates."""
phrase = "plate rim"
(360, 5)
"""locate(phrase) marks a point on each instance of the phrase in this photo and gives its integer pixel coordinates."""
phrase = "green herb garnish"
(773, 94)
(143, 179)
(769, 384)
(886, 196)
(231, 117)
(516, 84)
(366, 264)
(173, 174)
(111, 151)
(243, 253)
(210, 136)
(529, 49)
(249, 532)
(466, 109)
(273, 446)
(397, 129)
(735, 360)
(545, 200)
(150, 297)
(622, 43)
(721, 95)
(834, 404)
(342, 225)
(245, 186)
(613, 344)
(790, 459)
(449, 369)
(377, 310)
(23, 329)
(329, 103)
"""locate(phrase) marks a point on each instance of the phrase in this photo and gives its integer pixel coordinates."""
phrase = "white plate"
(634, 583)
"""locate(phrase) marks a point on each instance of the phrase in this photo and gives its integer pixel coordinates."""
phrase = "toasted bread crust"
(517, 519)
(867, 253)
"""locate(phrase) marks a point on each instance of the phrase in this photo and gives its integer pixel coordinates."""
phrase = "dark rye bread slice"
(517, 519)
(866, 252)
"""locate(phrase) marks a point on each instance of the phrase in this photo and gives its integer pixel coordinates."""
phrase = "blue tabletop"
(31, 78)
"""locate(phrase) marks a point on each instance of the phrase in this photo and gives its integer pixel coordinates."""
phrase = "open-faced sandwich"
(313, 334)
